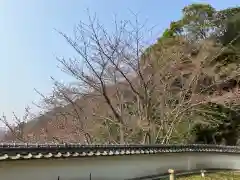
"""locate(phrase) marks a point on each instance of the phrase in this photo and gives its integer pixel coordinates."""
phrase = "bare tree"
(16, 127)
(106, 61)
(64, 114)
(147, 94)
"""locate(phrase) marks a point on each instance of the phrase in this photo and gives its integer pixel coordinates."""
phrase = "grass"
(213, 176)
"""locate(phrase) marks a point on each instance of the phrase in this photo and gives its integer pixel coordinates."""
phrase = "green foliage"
(225, 14)
(224, 126)
(197, 20)
(174, 30)
(232, 32)
(201, 21)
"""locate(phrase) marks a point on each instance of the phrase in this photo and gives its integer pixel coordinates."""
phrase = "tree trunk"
(121, 134)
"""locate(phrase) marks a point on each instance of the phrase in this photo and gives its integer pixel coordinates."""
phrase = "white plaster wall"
(115, 167)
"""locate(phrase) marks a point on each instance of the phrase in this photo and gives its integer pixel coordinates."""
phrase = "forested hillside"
(184, 88)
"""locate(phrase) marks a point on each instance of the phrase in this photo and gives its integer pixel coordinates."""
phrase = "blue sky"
(29, 44)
